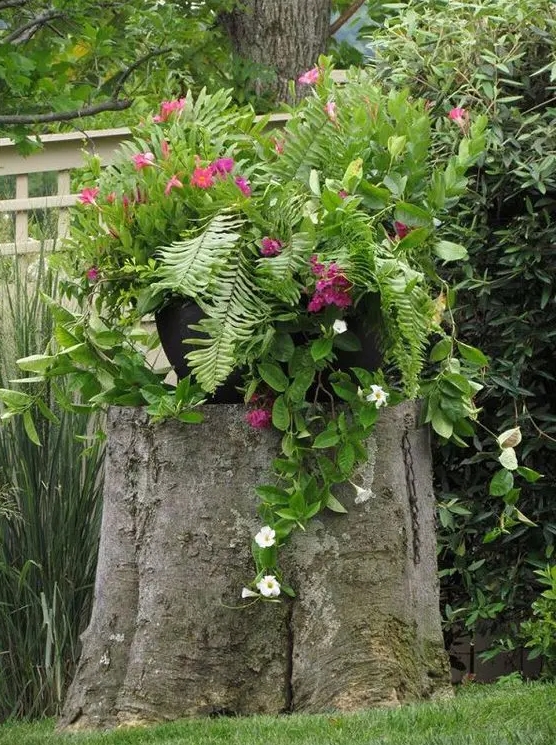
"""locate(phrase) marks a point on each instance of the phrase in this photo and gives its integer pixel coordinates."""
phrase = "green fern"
(189, 267)
(235, 309)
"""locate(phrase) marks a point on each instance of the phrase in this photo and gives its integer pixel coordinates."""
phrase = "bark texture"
(286, 36)
(164, 640)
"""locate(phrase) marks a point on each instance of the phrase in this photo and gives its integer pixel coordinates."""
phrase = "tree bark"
(285, 37)
(165, 640)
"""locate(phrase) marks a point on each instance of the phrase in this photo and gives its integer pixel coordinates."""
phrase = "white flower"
(247, 593)
(339, 327)
(361, 495)
(378, 396)
(266, 537)
(508, 459)
(269, 586)
(510, 438)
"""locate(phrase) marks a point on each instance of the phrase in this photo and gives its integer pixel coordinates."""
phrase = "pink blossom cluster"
(332, 286)
(310, 77)
(89, 195)
(259, 418)
(270, 246)
(167, 108)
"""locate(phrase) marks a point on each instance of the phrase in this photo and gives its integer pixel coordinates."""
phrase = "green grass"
(519, 714)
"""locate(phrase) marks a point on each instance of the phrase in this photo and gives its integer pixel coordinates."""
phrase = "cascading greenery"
(49, 517)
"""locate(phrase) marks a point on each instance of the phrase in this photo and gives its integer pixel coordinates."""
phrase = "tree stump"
(166, 639)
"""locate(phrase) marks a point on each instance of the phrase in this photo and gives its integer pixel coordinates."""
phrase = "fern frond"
(278, 274)
(188, 267)
(236, 307)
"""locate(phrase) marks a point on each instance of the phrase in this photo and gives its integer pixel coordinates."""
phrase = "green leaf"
(501, 483)
(348, 342)
(411, 215)
(472, 354)
(368, 416)
(280, 414)
(15, 399)
(441, 350)
(450, 251)
(333, 504)
(273, 376)
(326, 439)
(441, 425)
(272, 494)
(529, 474)
(35, 363)
(301, 384)
(346, 458)
(30, 428)
(414, 238)
(321, 348)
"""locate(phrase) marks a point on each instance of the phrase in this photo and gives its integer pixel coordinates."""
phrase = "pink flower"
(259, 418)
(92, 274)
(332, 287)
(222, 166)
(202, 178)
(165, 149)
(270, 246)
(111, 198)
(343, 194)
(278, 145)
(173, 183)
(167, 108)
(142, 160)
(89, 195)
(125, 202)
(401, 229)
(243, 185)
(330, 111)
(310, 77)
(458, 115)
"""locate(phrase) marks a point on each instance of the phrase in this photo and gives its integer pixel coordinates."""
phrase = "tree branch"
(12, 4)
(126, 73)
(64, 116)
(25, 31)
(346, 15)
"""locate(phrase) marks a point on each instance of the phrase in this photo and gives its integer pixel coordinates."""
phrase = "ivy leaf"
(529, 474)
(346, 458)
(333, 504)
(280, 414)
(449, 251)
(321, 348)
(501, 483)
(326, 439)
(273, 376)
(472, 354)
(441, 425)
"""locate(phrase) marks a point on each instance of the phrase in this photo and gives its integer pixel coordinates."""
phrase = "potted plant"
(306, 258)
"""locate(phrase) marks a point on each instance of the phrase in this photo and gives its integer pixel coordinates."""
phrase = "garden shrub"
(496, 57)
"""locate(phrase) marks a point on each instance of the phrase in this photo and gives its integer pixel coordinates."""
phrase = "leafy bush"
(496, 57)
(49, 520)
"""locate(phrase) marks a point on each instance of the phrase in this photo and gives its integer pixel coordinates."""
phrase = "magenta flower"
(332, 287)
(330, 111)
(92, 274)
(165, 149)
(259, 418)
(222, 166)
(167, 108)
(458, 115)
(202, 178)
(401, 229)
(88, 195)
(243, 185)
(270, 246)
(173, 183)
(343, 194)
(310, 77)
(143, 160)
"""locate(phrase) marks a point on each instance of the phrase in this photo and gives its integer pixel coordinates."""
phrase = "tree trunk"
(165, 640)
(285, 37)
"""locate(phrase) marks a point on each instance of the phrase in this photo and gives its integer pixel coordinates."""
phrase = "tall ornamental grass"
(50, 500)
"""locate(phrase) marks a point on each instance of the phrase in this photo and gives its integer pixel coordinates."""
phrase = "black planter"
(173, 322)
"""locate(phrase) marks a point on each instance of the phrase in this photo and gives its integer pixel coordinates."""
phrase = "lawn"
(511, 714)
